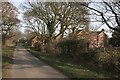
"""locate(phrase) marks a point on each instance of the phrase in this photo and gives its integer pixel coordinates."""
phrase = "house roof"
(102, 34)
(94, 32)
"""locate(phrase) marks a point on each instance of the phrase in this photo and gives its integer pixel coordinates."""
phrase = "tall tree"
(9, 20)
(57, 15)
(9, 15)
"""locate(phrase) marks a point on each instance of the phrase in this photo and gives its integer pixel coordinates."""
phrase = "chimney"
(102, 30)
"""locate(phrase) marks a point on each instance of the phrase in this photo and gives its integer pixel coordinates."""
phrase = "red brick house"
(98, 39)
(34, 41)
(102, 39)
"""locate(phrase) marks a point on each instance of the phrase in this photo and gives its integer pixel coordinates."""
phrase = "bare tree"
(9, 15)
(53, 15)
(109, 13)
(9, 20)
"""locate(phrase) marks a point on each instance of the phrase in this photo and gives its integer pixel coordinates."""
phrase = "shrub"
(49, 48)
(72, 48)
(109, 60)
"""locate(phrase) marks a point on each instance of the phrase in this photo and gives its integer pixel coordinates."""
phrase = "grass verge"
(69, 69)
(7, 54)
(7, 60)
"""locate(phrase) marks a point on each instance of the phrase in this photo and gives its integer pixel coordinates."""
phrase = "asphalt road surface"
(27, 66)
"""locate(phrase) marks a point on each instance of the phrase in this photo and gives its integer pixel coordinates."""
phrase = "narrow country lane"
(27, 66)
